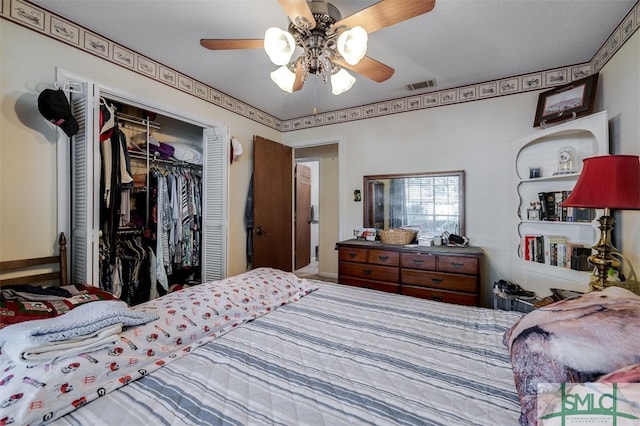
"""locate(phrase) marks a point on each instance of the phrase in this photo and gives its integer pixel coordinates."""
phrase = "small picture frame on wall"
(567, 101)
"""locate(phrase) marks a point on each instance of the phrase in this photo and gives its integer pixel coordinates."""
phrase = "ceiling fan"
(330, 44)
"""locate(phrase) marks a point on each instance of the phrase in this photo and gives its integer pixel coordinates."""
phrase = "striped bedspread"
(340, 355)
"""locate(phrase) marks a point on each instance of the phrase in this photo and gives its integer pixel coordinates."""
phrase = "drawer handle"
(383, 258)
(367, 271)
(457, 265)
(417, 261)
(437, 298)
(352, 255)
(436, 280)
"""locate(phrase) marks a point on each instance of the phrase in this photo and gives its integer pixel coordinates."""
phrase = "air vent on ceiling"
(422, 85)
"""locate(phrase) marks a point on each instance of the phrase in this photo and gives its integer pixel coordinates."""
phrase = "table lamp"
(607, 182)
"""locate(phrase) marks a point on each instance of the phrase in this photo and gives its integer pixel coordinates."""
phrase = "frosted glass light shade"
(341, 82)
(352, 45)
(279, 45)
(284, 78)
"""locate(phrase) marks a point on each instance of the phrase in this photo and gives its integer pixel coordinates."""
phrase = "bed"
(267, 347)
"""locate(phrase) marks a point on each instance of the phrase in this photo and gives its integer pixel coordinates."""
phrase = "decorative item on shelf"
(567, 101)
(566, 161)
(534, 212)
(535, 172)
(607, 182)
(397, 236)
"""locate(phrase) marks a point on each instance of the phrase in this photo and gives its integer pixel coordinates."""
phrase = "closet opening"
(150, 202)
(107, 246)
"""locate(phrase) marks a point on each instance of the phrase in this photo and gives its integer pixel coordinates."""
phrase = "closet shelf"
(141, 156)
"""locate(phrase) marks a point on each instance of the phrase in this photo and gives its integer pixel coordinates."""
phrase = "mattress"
(339, 355)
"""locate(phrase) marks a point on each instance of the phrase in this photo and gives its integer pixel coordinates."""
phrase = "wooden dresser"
(447, 274)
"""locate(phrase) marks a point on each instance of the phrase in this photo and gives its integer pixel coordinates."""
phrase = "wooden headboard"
(29, 277)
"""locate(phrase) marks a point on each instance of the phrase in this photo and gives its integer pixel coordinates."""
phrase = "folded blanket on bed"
(84, 322)
(49, 352)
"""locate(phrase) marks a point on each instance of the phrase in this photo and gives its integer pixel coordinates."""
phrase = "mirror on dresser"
(432, 201)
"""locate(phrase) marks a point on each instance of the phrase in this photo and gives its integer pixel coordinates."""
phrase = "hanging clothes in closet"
(115, 178)
(176, 207)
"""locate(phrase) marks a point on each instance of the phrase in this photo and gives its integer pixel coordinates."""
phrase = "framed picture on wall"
(567, 101)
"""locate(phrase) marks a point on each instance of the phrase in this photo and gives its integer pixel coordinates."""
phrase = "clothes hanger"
(69, 87)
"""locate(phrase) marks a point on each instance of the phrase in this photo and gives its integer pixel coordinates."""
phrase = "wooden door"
(272, 204)
(303, 216)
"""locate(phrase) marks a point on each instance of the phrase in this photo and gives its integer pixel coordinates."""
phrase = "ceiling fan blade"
(386, 13)
(298, 9)
(226, 44)
(368, 67)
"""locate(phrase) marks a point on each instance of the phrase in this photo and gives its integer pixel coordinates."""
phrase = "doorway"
(323, 161)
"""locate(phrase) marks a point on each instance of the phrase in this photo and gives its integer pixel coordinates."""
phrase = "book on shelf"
(551, 243)
(552, 209)
(548, 205)
(553, 250)
(582, 214)
(533, 248)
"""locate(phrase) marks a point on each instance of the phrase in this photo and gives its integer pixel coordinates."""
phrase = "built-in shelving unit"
(586, 137)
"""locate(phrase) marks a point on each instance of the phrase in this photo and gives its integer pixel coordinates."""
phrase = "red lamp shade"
(609, 181)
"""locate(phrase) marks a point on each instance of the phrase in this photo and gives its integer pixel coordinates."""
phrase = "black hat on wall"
(54, 106)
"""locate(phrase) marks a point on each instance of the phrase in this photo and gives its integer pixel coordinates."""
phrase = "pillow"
(572, 341)
(12, 312)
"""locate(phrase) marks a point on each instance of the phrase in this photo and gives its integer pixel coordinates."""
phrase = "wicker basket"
(397, 236)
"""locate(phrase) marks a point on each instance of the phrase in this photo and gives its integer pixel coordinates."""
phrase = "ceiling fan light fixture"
(284, 78)
(341, 81)
(279, 45)
(352, 44)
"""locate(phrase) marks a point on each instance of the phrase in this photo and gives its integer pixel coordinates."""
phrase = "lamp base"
(604, 259)
(622, 275)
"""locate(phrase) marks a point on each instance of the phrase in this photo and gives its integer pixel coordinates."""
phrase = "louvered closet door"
(84, 186)
(214, 204)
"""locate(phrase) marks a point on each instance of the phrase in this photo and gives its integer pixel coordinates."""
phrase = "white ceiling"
(460, 42)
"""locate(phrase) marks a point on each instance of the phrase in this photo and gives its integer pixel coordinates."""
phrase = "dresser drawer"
(375, 285)
(369, 272)
(418, 261)
(458, 264)
(384, 257)
(440, 296)
(352, 254)
(440, 281)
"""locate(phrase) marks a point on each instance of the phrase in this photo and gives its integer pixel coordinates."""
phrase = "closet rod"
(153, 159)
(136, 120)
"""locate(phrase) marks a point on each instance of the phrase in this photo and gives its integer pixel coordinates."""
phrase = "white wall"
(28, 223)
(479, 137)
